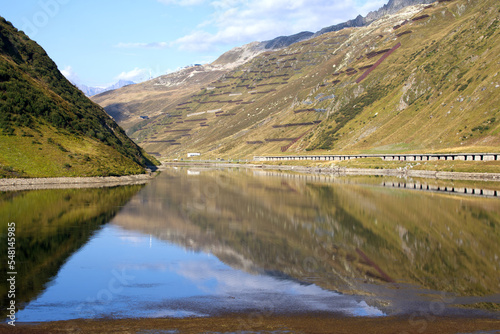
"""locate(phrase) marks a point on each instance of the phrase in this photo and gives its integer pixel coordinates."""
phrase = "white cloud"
(70, 74)
(244, 21)
(237, 22)
(136, 75)
(182, 2)
(153, 45)
(199, 41)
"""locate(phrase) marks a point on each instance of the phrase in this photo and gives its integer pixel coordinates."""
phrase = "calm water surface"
(198, 242)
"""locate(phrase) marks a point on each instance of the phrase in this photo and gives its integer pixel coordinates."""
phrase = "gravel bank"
(73, 182)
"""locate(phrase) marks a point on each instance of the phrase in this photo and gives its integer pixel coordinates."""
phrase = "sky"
(98, 42)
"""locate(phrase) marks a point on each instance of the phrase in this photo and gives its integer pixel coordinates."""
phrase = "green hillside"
(47, 126)
(432, 86)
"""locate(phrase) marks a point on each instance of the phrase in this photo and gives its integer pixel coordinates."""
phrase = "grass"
(52, 153)
(494, 307)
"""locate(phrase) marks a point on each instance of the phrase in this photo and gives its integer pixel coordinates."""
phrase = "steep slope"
(132, 105)
(47, 126)
(424, 79)
(129, 106)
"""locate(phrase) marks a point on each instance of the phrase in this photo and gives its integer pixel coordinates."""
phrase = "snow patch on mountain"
(91, 91)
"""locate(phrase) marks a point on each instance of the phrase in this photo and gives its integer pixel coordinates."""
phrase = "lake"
(204, 242)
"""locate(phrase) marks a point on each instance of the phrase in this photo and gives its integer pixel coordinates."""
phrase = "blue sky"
(97, 42)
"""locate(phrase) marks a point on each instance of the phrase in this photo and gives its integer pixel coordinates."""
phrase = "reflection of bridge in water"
(447, 189)
(403, 184)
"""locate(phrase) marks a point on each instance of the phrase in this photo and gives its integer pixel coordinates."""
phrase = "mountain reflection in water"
(50, 226)
(337, 235)
(202, 242)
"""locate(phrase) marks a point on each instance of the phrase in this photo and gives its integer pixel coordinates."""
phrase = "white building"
(193, 155)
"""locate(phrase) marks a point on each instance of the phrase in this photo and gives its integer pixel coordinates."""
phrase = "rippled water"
(204, 242)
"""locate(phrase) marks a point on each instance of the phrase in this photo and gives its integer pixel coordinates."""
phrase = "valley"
(346, 178)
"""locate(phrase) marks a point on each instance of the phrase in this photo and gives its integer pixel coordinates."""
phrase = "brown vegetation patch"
(404, 33)
(279, 139)
(292, 124)
(421, 17)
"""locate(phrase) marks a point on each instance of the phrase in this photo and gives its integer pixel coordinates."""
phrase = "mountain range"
(421, 79)
(392, 7)
(90, 91)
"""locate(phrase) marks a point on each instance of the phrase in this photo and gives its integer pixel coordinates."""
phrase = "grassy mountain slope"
(436, 89)
(47, 126)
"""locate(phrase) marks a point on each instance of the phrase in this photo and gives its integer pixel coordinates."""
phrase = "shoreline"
(265, 323)
(19, 184)
(341, 171)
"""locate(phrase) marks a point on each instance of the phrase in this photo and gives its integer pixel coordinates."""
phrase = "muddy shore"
(258, 323)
